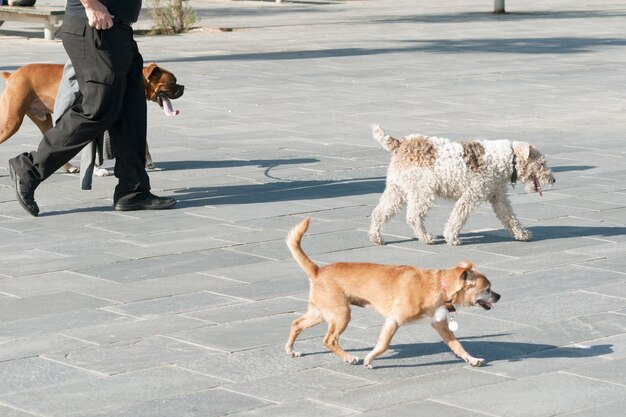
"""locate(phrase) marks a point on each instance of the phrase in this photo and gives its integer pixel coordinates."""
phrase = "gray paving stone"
(430, 408)
(208, 403)
(161, 287)
(57, 303)
(38, 346)
(240, 312)
(11, 412)
(384, 396)
(129, 356)
(231, 337)
(32, 373)
(174, 304)
(298, 386)
(613, 371)
(134, 328)
(303, 408)
(550, 394)
(122, 389)
(172, 264)
(610, 409)
(45, 325)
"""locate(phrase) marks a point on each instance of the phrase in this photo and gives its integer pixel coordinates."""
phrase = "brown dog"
(32, 89)
(400, 293)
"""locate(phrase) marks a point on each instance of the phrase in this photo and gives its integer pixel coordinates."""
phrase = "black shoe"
(145, 201)
(25, 194)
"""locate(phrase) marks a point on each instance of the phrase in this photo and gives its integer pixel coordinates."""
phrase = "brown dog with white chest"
(400, 293)
(31, 91)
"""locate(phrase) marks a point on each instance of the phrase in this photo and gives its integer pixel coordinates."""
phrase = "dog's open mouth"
(164, 102)
(484, 304)
(538, 185)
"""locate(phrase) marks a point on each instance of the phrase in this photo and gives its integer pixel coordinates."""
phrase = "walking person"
(98, 38)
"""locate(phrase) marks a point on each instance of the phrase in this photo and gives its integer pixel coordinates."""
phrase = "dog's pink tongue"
(168, 109)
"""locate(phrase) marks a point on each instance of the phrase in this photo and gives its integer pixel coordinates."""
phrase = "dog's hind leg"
(384, 339)
(502, 207)
(337, 323)
(454, 344)
(390, 203)
(418, 204)
(311, 318)
(460, 213)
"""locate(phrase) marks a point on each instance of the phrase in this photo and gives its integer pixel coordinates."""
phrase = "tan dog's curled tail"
(293, 242)
(388, 142)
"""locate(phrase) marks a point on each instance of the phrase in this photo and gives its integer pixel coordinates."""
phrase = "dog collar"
(446, 302)
(514, 173)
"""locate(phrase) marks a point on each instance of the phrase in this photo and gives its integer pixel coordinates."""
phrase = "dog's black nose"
(495, 296)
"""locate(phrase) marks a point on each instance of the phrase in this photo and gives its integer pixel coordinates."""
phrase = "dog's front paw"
(476, 361)
(453, 240)
(101, 172)
(293, 353)
(428, 239)
(351, 360)
(72, 169)
(377, 239)
(524, 235)
(150, 164)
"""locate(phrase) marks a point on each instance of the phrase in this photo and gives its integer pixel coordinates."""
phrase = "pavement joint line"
(603, 295)
(120, 313)
(591, 378)
(256, 397)
(198, 345)
(79, 339)
(449, 404)
(318, 401)
(22, 410)
(70, 365)
(193, 371)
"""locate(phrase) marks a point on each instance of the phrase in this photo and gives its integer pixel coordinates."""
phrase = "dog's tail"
(388, 142)
(293, 242)
(5, 75)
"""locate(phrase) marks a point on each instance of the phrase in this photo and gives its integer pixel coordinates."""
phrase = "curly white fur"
(423, 168)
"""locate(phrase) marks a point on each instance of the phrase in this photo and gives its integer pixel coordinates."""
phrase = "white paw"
(524, 235)
(293, 354)
(428, 239)
(72, 170)
(150, 165)
(101, 172)
(453, 240)
(476, 361)
(377, 239)
(351, 360)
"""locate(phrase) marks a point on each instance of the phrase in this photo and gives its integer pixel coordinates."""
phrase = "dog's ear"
(463, 269)
(522, 149)
(151, 70)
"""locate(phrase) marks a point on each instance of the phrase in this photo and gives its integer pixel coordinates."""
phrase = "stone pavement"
(185, 312)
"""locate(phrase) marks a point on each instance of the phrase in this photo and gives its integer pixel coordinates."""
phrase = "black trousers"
(109, 73)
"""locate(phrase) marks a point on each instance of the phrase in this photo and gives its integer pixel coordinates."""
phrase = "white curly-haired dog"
(423, 168)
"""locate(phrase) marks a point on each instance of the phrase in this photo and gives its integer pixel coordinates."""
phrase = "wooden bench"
(50, 16)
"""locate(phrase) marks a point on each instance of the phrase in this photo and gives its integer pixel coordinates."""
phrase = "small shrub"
(171, 16)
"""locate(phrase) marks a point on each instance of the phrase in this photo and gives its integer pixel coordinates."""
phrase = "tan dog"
(400, 293)
(32, 89)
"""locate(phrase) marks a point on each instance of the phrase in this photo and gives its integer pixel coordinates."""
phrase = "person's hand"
(98, 15)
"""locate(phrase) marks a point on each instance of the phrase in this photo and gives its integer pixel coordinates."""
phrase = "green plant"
(171, 16)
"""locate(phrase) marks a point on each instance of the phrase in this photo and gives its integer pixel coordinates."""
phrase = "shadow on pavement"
(278, 191)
